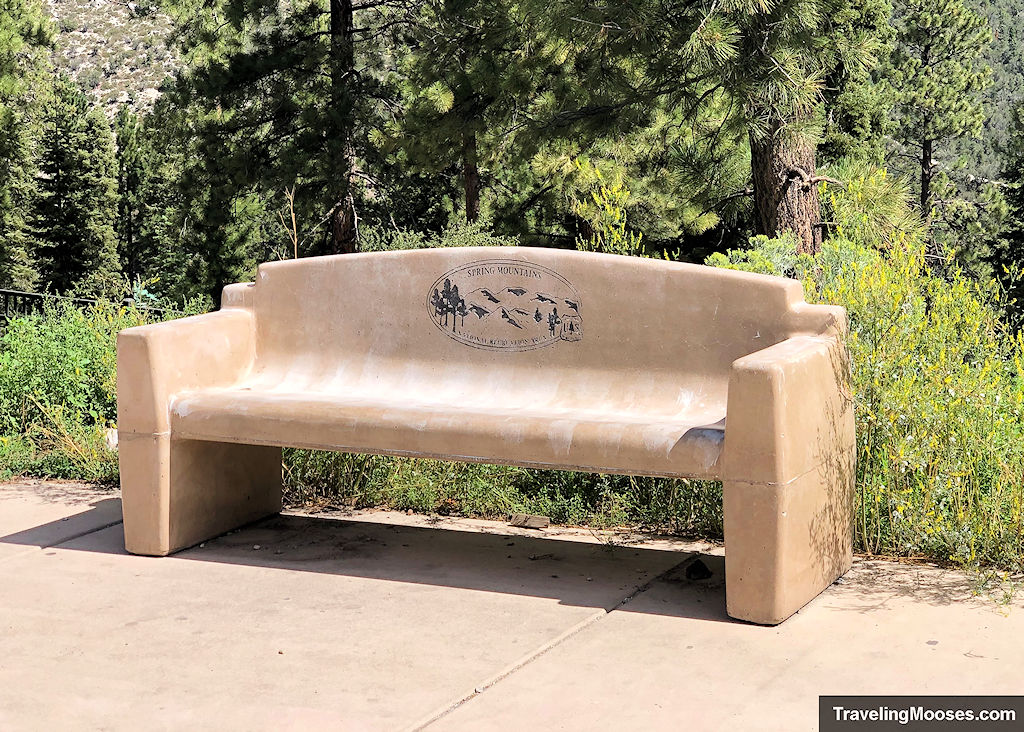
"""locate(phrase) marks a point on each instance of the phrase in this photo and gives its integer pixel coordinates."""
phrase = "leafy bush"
(16, 455)
(64, 358)
(58, 390)
(938, 381)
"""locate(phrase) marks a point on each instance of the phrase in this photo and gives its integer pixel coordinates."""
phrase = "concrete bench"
(519, 356)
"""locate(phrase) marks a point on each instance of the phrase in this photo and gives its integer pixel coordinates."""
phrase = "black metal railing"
(14, 303)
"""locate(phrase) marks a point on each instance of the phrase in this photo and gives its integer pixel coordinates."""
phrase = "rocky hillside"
(118, 54)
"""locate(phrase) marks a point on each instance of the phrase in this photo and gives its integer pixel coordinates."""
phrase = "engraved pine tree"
(449, 302)
(437, 300)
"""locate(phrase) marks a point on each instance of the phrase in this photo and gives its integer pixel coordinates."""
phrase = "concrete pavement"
(385, 621)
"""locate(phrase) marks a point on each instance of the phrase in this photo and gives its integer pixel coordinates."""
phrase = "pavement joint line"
(65, 540)
(79, 535)
(532, 656)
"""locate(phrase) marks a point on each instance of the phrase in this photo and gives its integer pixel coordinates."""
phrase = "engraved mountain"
(486, 305)
(507, 296)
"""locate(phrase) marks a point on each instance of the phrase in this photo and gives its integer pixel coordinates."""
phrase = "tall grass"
(320, 479)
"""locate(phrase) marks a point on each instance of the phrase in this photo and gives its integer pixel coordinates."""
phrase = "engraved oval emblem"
(505, 305)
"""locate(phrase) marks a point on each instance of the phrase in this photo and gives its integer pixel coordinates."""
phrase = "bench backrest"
(518, 325)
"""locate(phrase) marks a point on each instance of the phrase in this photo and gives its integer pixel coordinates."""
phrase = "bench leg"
(177, 493)
(784, 544)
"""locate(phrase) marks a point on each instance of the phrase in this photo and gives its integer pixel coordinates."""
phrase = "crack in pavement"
(532, 656)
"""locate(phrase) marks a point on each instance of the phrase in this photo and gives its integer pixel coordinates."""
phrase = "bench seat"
(553, 437)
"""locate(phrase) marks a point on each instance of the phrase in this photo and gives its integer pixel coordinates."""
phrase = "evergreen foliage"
(762, 128)
(468, 66)
(938, 75)
(982, 156)
(131, 174)
(24, 32)
(1007, 254)
(280, 97)
(73, 214)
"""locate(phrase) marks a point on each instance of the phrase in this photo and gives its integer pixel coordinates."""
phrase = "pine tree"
(938, 75)
(76, 204)
(281, 96)
(17, 269)
(194, 227)
(768, 62)
(786, 53)
(470, 66)
(856, 100)
(1007, 255)
(24, 31)
(136, 186)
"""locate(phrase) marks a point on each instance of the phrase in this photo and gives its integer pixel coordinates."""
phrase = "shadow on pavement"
(573, 573)
(101, 513)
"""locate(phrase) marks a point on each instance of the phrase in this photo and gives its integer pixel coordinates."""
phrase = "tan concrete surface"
(36, 514)
(327, 625)
(387, 621)
(671, 659)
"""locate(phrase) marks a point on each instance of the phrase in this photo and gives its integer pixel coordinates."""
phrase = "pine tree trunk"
(344, 221)
(782, 167)
(933, 247)
(126, 219)
(340, 130)
(927, 150)
(471, 176)
(926, 179)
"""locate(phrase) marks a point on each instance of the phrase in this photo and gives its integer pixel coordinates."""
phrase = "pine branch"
(807, 180)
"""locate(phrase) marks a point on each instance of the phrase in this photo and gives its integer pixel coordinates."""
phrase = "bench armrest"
(154, 362)
(790, 411)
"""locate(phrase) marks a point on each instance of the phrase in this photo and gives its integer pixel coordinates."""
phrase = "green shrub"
(58, 390)
(65, 448)
(606, 213)
(64, 358)
(938, 381)
(17, 454)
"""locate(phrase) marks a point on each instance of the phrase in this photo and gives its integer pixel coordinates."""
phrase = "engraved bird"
(505, 316)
